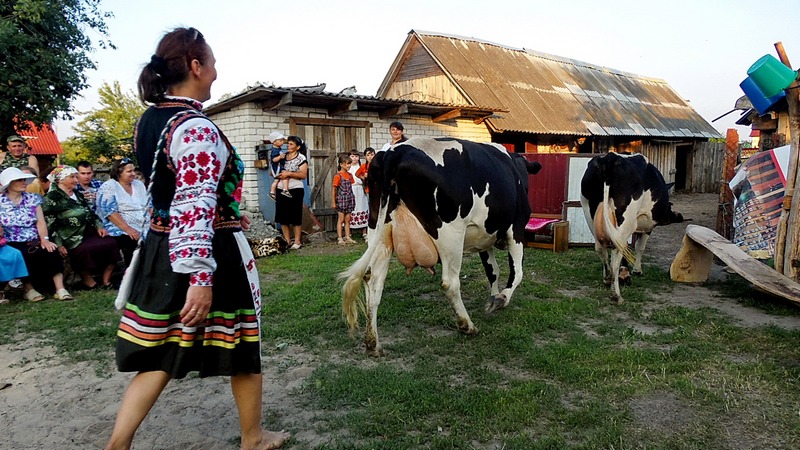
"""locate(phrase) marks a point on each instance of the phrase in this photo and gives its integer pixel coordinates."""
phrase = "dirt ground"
(53, 404)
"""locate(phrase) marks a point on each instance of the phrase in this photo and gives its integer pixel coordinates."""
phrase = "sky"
(701, 48)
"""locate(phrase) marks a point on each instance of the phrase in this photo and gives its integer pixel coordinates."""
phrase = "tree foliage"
(107, 131)
(45, 46)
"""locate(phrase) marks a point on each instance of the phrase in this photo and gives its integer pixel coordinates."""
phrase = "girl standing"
(342, 199)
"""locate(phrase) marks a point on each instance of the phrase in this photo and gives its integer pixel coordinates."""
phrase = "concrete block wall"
(246, 126)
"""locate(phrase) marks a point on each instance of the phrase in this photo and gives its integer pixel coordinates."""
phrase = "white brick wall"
(246, 126)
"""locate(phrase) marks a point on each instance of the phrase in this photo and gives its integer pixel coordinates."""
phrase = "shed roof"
(273, 97)
(41, 140)
(548, 94)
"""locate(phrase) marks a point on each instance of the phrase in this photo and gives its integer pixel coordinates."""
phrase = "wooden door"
(326, 139)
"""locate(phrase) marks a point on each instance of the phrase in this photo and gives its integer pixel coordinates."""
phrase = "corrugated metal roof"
(41, 140)
(547, 94)
(317, 97)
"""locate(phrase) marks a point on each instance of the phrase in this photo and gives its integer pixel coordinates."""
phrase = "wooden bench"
(692, 264)
(552, 227)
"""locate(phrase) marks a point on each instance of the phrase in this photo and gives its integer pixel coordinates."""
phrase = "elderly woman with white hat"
(76, 229)
(24, 228)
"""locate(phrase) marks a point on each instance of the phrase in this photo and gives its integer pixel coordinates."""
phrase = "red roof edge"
(41, 140)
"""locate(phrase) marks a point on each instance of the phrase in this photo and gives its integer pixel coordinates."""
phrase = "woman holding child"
(289, 209)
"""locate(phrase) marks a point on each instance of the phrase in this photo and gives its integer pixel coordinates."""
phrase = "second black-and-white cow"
(435, 200)
(622, 195)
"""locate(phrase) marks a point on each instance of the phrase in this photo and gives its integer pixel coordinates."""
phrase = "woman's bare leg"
(297, 230)
(139, 398)
(109, 270)
(285, 231)
(58, 281)
(247, 392)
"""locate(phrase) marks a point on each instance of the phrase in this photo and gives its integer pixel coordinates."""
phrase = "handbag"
(126, 285)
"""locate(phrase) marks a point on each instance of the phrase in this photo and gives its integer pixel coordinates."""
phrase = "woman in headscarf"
(77, 231)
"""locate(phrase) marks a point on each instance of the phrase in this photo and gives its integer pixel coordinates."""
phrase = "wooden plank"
(693, 263)
(286, 99)
(452, 114)
(331, 122)
(396, 111)
(342, 108)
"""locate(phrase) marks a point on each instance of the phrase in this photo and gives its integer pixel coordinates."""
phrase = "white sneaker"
(15, 283)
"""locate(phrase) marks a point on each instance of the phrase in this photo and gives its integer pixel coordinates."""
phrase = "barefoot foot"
(270, 440)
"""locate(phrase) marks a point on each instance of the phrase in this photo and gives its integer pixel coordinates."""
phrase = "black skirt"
(151, 335)
(41, 264)
(94, 253)
(289, 211)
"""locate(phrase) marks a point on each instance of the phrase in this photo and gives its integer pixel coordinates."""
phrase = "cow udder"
(412, 245)
(600, 232)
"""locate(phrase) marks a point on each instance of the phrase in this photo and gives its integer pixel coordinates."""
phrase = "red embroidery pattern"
(200, 134)
(201, 279)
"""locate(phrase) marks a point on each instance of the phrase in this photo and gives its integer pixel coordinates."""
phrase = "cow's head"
(672, 216)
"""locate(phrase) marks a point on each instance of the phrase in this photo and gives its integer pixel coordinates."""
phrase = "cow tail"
(353, 303)
(612, 228)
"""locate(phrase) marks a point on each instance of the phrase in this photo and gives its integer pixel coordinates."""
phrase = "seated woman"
(122, 204)
(24, 228)
(12, 266)
(76, 230)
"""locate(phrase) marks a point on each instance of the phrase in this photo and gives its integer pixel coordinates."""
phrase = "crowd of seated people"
(65, 215)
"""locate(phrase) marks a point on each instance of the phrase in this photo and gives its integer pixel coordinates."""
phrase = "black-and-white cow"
(622, 195)
(435, 199)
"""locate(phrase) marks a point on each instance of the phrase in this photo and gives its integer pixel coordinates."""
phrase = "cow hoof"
(495, 303)
(616, 300)
(469, 330)
(376, 352)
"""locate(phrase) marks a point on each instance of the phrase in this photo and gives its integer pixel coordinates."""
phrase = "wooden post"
(725, 209)
(787, 239)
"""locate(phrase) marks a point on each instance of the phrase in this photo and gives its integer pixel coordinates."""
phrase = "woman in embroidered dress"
(24, 228)
(76, 229)
(122, 204)
(360, 214)
(289, 210)
(195, 302)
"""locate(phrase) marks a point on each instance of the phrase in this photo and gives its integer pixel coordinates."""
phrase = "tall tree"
(45, 47)
(106, 131)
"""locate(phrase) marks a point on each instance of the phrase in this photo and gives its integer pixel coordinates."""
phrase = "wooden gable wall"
(419, 78)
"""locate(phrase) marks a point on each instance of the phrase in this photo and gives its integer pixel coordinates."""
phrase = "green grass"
(561, 367)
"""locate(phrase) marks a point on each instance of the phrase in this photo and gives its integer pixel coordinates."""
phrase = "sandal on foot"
(349, 240)
(342, 241)
(272, 195)
(33, 296)
(62, 294)
(286, 193)
(295, 246)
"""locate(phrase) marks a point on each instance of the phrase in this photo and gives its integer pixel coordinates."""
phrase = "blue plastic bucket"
(770, 75)
(760, 102)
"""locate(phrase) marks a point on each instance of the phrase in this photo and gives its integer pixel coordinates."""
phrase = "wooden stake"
(787, 253)
(725, 209)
